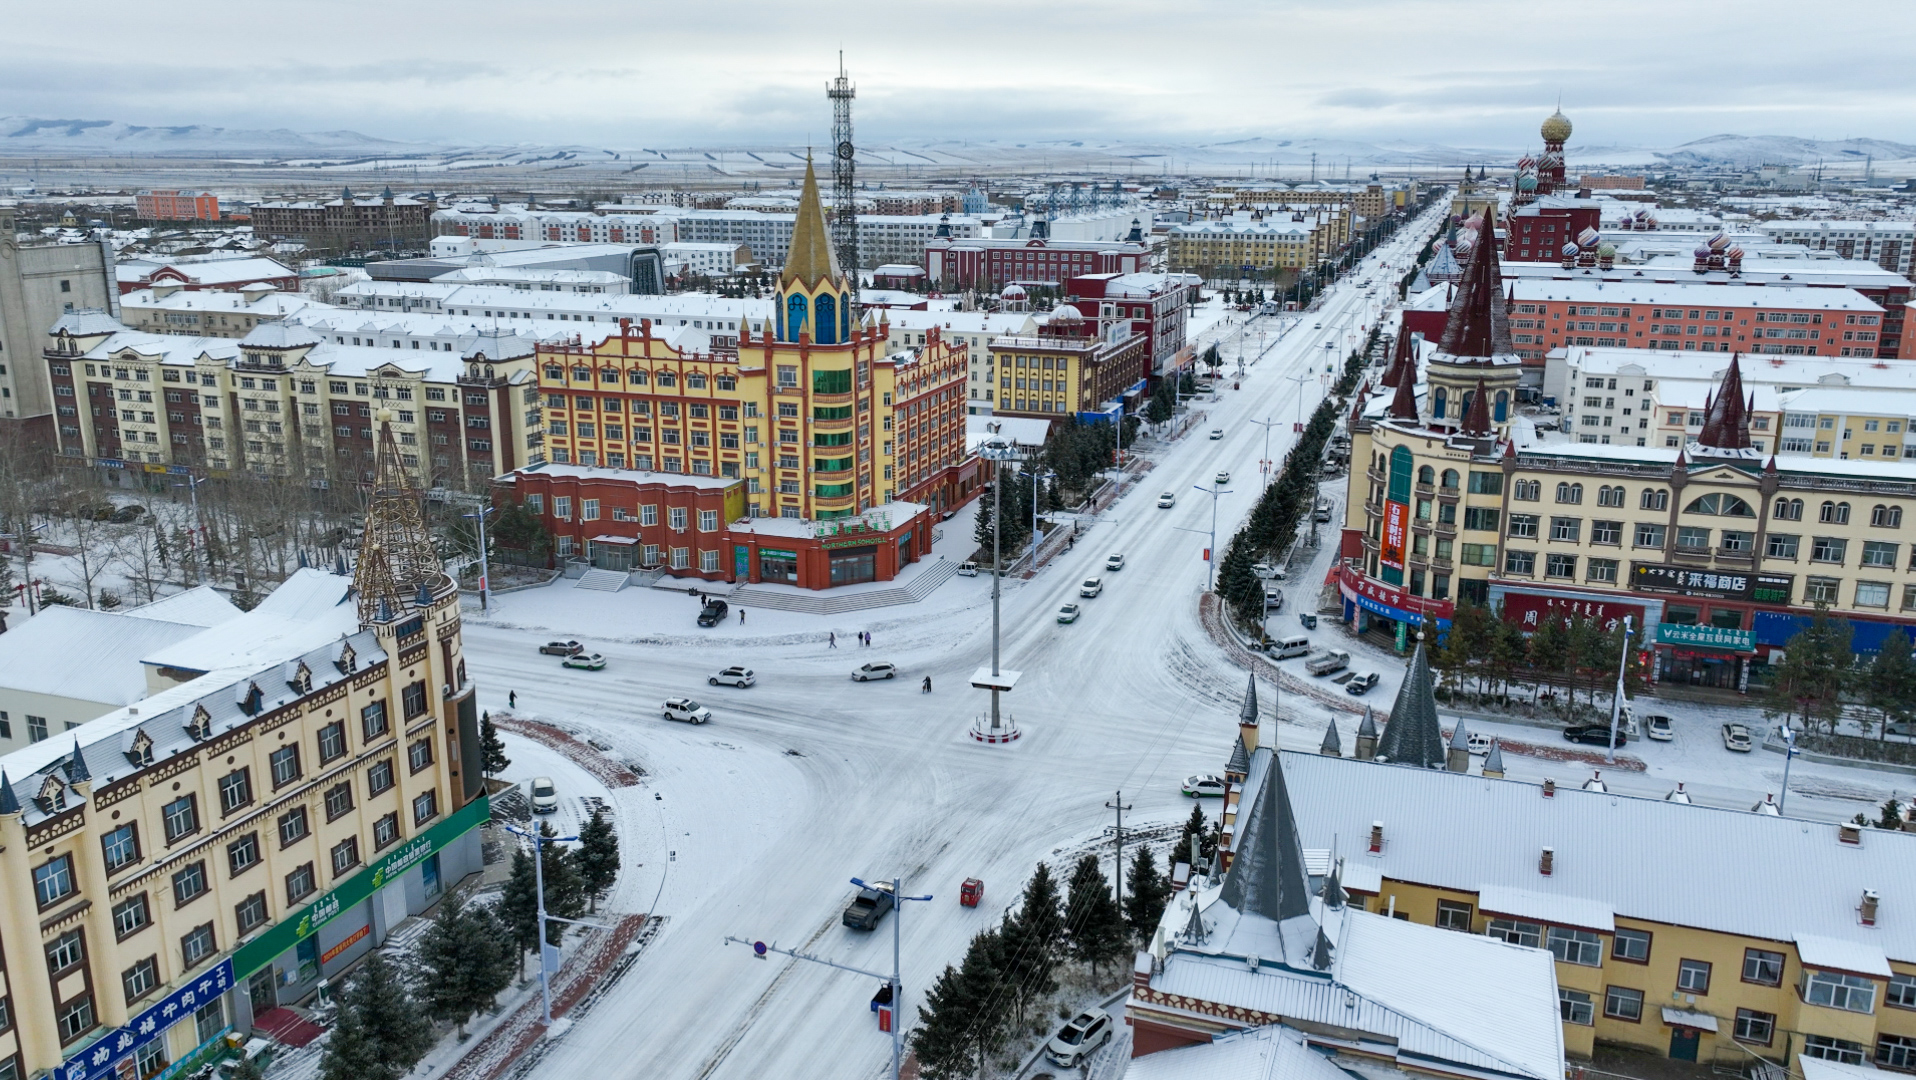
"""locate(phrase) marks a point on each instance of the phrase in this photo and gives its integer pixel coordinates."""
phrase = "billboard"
(1396, 532)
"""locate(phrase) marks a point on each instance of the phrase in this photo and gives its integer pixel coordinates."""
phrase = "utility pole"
(844, 188)
(484, 575)
(1616, 704)
(1264, 465)
(1119, 806)
(1210, 559)
(539, 840)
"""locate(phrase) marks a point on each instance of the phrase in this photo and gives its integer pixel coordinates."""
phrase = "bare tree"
(137, 550)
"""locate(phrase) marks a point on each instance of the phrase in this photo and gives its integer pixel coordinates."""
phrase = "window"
(1576, 1006)
(1560, 566)
(1610, 496)
(140, 979)
(1516, 933)
(1691, 538)
(1527, 490)
(197, 945)
(339, 800)
(1453, 915)
(250, 912)
(299, 883)
(345, 855)
(1720, 503)
(1566, 529)
(372, 720)
(180, 818)
(285, 765)
(1872, 594)
(121, 847)
(1477, 517)
(1834, 513)
(413, 700)
(1693, 976)
(189, 883)
(1523, 526)
(425, 808)
(1901, 992)
(1631, 946)
(1879, 553)
(1622, 1003)
(1606, 532)
(1886, 517)
(236, 790)
(1781, 546)
(242, 854)
(419, 755)
(1654, 499)
(1755, 1027)
(1840, 1050)
(1828, 549)
(65, 951)
(292, 826)
(1852, 993)
(1820, 590)
(332, 741)
(76, 1019)
(1520, 562)
(1486, 483)
(385, 831)
(131, 916)
(1601, 570)
(1569, 493)
(1576, 946)
(1650, 536)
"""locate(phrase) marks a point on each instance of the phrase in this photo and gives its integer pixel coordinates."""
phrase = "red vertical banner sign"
(1396, 529)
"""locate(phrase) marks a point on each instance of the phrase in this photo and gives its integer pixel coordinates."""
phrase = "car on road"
(1269, 571)
(1223, 477)
(713, 613)
(1217, 433)
(869, 906)
(967, 569)
(1659, 728)
(684, 708)
(1328, 661)
(877, 669)
(1068, 613)
(1115, 562)
(1091, 587)
(1079, 1039)
(1204, 786)
(585, 661)
(734, 676)
(1593, 734)
(1361, 683)
(1167, 500)
(1317, 326)
(561, 648)
(545, 796)
(1737, 737)
(1478, 742)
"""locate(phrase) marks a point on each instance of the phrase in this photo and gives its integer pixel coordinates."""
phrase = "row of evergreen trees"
(1819, 675)
(384, 1020)
(1483, 653)
(996, 994)
(1074, 453)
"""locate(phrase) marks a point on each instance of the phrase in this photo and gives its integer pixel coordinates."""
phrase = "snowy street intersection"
(753, 824)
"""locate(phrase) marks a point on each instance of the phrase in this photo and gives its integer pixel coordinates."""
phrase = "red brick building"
(176, 206)
(955, 263)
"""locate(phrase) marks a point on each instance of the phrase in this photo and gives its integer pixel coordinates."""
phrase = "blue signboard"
(1376, 607)
(1866, 637)
(97, 1060)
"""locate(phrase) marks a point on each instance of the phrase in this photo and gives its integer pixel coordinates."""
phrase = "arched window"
(1834, 513)
(1654, 499)
(794, 317)
(1449, 480)
(1886, 517)
(1569, 493)
(1527, 490)
(1788, 510)
(827, 321)
(1501, 410)
(1437, 399)
(1426, 475)
(1463, 408)
(1721, 503)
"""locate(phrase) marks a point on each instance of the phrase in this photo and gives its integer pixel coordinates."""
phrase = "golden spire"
(811, 258)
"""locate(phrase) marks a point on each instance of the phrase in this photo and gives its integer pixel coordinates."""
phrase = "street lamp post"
(1616, 704)
(198, 532)
(1036, 476)
(1789, 754)
(997, 451)
(539, 841)
(1210, 562)
(485, 576)
(1264, 466)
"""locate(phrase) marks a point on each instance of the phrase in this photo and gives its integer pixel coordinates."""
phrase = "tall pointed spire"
(811, 259)
(1726, 425)
(1478, 323)
(1248, 713)
(1477, 420)
(1267, 875)
(1403, 404)
(1333, 744)
(76, 765)
(9, 802)
(1402, 360)
(1413, 736)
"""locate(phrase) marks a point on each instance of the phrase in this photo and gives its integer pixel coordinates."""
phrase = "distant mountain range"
(1262, 157)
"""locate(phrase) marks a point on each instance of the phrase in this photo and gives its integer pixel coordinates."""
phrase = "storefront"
(873, 546)
(1529, 607)
(1711, 657)
(1372, 607)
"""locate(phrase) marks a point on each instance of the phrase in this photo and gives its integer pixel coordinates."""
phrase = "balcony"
(1447, 530)
(832, 399)
(834, 426)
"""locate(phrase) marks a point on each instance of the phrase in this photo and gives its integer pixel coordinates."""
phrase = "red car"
(971, 892)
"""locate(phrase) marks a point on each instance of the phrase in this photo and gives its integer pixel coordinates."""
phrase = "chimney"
(1548, 863)
(1376, 837)
(1849, 833)
(1868, 910)
(1549, 788)
(1141, 971)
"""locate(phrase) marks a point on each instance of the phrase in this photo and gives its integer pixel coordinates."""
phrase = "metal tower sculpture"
(397, 562)
(844, 191)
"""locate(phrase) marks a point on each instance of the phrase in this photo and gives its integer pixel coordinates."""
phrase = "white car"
(684, 708)
(1269, 571)
(878, 669)
(1080, 1038)
(1068, 613)
(1660, 728)
(1204, 786)
(1091, 587)
(967, 569)
(1223, 477)
(545, 796)
(1217, 433)
(1737, 737)
(1115, 562)
(734, 676)
(1167, 500)
(1479, 743)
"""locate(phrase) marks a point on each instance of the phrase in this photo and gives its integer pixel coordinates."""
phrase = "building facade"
(40, 283)
(174, 205)
(349, 223)
(1068, 368)
(959, 262)
(1888, 244)
(209, 274)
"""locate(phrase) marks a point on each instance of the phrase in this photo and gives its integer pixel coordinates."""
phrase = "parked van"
(1285, 648)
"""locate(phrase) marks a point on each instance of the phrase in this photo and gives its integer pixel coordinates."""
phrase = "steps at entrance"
(601, 580)
(825, 603)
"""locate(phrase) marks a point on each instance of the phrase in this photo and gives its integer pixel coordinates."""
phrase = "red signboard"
(1358, 588)
(1396, 528)
(1529, 610)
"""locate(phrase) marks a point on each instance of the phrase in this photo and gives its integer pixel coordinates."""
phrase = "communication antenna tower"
(844, 191)
(397, 561)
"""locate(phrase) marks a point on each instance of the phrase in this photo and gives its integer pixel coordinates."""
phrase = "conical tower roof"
(1477, 420)
(1267, 875)
(1367, 727)
(1248, 714)
(76, 765)
(1403, 404)
(1478, 324)
(1727, 424)
(811, 258)
(1413, 736)
(1401, 360)
(9, 802)
(1494, 761)
(1332, 743)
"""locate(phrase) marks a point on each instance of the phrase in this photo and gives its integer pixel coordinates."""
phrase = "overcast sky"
(637, 73)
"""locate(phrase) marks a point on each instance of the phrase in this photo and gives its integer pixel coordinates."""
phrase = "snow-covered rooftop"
(306, 610)
(83, 654)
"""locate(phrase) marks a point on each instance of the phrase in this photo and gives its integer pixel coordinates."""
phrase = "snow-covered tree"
(1145, 893)
(492, 749)
(1092, 918)
(468, 958)
(598, 857)
(381, 1032)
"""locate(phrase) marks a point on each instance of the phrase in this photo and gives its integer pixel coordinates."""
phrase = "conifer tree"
(386, 1030)
(940, 1042)
(1033, 938)
(565, 889)
(1091, 916)
(467, 957)
(349, 1052)
(519, 907)
(598, 857)
(492, 749)
(1145, 893)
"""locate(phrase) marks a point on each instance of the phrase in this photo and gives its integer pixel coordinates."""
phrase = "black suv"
(1594, 734)
(713, 613)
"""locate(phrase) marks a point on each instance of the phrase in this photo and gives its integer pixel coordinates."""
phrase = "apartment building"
(208, 273)
(282, 401)
(1069, 368)
(1277, 241)
(348, 223)
(178, 867)
(39, 283)
(176, 205)
(1885, 243)
(172, 309)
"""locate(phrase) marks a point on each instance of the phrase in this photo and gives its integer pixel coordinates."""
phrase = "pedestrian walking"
(831, 639)
(741, 616)
(512, 699)
(927, 684)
